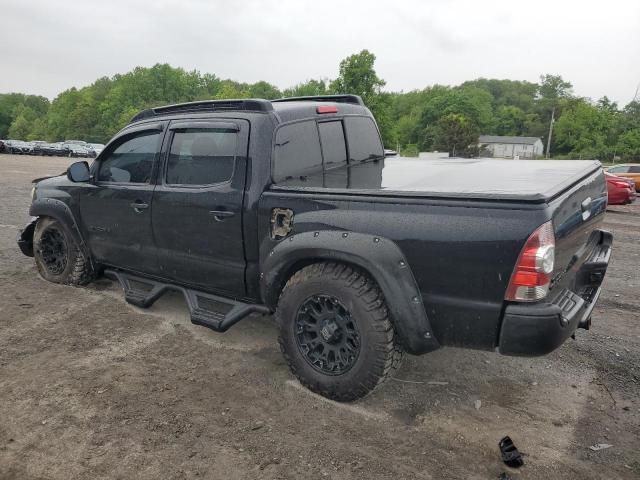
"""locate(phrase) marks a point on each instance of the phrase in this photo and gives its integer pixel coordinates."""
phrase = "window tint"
(363, 138)
(634, 169)
(334, 148)
(297, 151)
(131, 161)
(201, 156)
(621, 169)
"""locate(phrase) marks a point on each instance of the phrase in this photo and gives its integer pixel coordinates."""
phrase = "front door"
(197, 205)
(116, 206)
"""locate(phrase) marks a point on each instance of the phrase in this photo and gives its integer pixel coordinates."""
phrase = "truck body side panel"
(461, 253)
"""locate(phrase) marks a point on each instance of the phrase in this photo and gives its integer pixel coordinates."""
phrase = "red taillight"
(327, 109)
(532, 274)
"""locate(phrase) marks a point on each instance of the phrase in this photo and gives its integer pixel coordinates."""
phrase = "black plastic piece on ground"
(510, 454)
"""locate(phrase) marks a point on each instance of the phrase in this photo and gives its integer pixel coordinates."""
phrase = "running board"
(212, 311)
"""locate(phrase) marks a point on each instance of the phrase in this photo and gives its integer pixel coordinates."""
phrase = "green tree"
(358, 76)
(628, 145)
(473, 103)
(457, 134)
(11, 105)
(511, 120)
(586, 130)
(264, 90)
(307, 89)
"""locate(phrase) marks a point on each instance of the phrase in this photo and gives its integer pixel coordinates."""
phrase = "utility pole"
(553, 112)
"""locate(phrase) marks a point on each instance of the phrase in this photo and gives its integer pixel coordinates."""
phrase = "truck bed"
(533, 181)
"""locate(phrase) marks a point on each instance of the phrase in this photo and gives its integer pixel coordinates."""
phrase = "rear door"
(116, 206)
(197, 205)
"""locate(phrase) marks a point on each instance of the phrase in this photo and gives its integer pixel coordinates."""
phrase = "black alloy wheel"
(326, 335)
(53, 251)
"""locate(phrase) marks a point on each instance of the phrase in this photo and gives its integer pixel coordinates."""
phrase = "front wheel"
(335, 331)
(58, 256)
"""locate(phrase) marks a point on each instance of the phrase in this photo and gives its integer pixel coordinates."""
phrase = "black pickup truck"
(290, 206)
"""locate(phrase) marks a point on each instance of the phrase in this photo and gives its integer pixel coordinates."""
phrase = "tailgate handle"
(586, 208)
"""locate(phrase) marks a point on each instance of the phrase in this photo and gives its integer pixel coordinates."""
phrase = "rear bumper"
(539, 328)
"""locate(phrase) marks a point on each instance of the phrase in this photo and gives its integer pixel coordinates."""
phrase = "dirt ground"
(91, 387)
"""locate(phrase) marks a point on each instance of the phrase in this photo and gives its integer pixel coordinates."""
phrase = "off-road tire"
(379, 355)
(77, 269)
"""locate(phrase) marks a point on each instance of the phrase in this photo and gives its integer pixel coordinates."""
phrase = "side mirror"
(78, 172)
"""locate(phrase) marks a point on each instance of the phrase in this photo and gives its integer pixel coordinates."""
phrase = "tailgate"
(576, 215)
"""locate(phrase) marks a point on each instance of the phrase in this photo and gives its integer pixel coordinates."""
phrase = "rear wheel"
(335, 331)
(58, 256)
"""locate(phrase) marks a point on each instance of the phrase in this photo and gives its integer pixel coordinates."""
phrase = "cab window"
(132, 160)
(297, 151)
(363, 139)
(201, 156)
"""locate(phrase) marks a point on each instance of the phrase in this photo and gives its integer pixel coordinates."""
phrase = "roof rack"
(354, 99)
(254, 104)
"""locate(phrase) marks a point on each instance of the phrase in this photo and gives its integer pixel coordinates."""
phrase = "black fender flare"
(51, 207)
(378, 256)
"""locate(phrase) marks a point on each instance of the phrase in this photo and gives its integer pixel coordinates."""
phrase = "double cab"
(290, 207)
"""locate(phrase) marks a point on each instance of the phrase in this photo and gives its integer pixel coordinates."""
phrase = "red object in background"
(621, 190)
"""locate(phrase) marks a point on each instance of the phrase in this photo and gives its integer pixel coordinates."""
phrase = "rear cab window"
(305, 150)
(363, 139)
(297, 151)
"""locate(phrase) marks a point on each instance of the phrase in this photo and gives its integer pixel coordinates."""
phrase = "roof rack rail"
(253, 104)
(354, 99)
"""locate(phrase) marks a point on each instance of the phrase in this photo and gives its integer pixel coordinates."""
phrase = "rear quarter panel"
(461, 252)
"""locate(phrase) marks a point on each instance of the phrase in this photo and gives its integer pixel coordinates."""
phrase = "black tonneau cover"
(534, 181)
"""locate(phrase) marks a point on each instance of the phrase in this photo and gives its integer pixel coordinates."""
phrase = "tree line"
(438, 117)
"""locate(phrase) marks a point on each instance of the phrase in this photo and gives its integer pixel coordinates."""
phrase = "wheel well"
(300, 264)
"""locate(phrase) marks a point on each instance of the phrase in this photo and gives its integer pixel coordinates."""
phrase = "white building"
(510, 147)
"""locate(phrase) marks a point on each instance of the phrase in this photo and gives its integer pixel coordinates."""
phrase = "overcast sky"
(48, 46)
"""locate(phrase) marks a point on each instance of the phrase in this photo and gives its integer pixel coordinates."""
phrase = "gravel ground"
(91, 387)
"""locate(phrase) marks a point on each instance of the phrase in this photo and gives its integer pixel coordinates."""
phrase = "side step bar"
(212, 311)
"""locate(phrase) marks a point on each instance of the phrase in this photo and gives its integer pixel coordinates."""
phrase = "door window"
(201, 156)
(634, 169)
(132, 160)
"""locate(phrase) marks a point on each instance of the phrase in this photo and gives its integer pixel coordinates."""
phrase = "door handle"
(220, 215)
(138, 206)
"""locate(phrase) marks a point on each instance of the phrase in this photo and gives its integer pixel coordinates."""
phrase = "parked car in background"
(52, 149)
(621, 190)
(77, 150)
(18, 147)
(627, 170)
(37, 144)
(97, 148)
